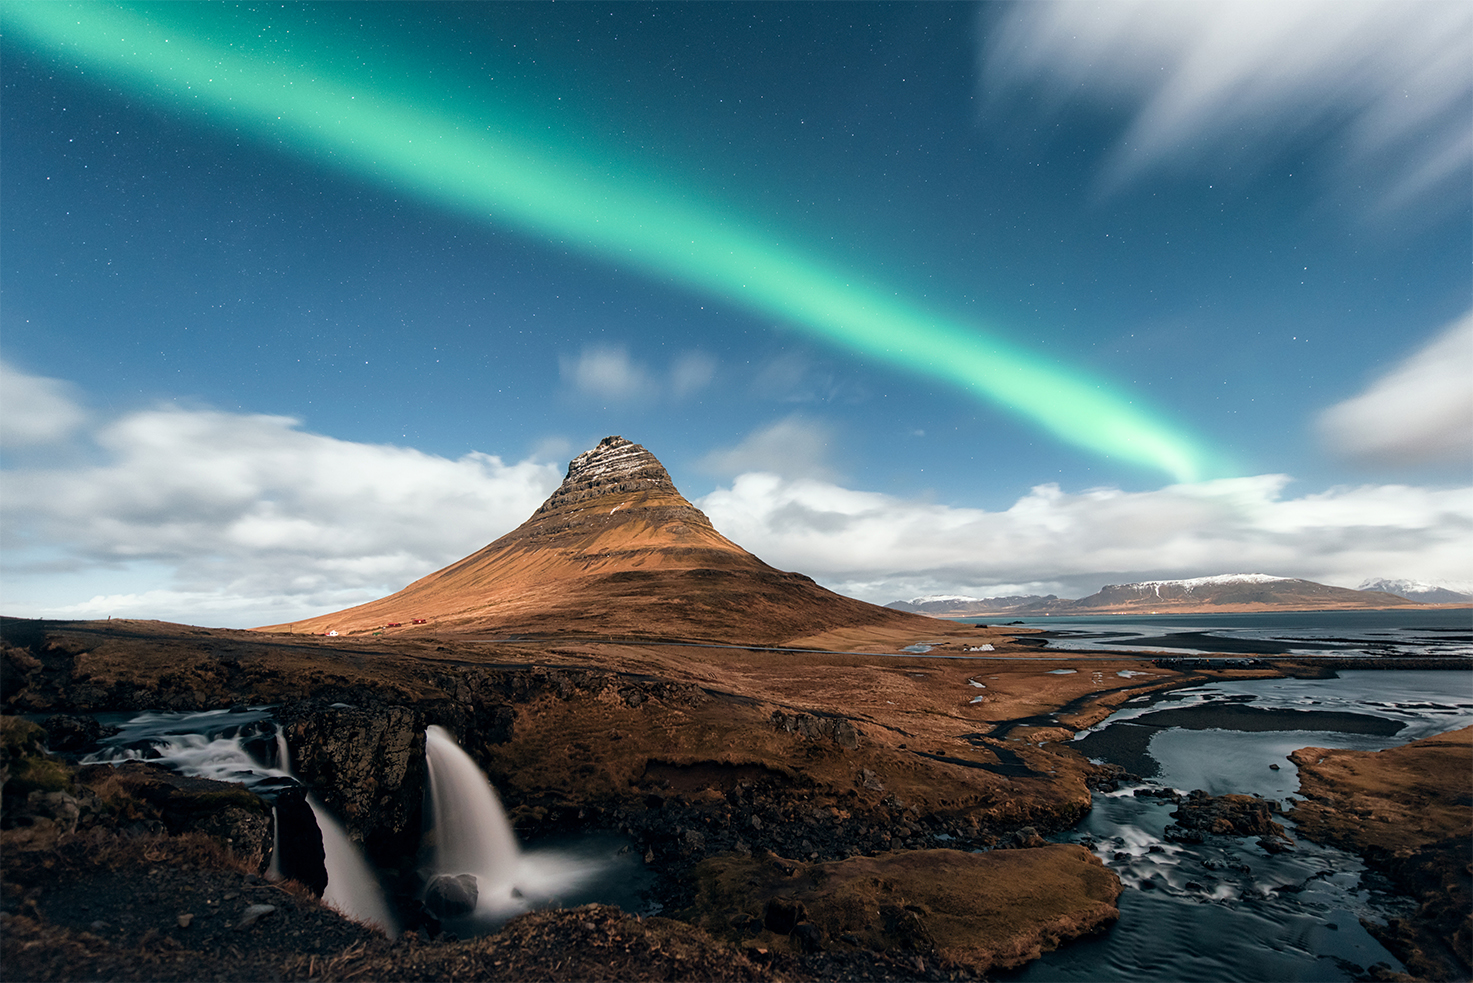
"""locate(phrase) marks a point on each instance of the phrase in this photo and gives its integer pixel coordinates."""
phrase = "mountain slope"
(615, 551)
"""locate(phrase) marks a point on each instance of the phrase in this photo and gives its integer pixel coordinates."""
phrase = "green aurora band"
(315, 96)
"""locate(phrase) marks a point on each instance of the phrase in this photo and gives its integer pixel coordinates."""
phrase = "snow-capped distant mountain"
(1225, 592)
(1222, 592)
(1420, 591)
(961, 606)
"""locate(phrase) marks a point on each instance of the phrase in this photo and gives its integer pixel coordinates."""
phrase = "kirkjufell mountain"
(616, 551)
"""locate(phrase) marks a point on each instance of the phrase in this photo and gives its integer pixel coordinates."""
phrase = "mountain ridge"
(1236, 592)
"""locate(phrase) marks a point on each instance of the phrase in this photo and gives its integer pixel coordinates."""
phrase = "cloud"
(882, 548)
(794, 447)
(1419, 412)
(608, 372)
(35, 410)
(243, 516)
(1222, 82)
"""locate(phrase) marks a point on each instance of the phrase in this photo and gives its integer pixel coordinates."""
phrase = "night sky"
(301, 302)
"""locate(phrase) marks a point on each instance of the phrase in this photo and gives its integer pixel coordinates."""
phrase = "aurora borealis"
(480, 163)
(302, 301)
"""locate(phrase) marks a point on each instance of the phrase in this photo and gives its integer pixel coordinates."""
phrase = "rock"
(1227, 815)
(69, 733)
(59, 807)
(365, 763)
(255, 913)
(233, 816)
(299, 851)
(185, 920)
(1025, 838)
(452, 895)
(832, 729)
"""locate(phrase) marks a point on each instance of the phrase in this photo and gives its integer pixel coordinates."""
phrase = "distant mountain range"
(1225, 592)
(1416, 590)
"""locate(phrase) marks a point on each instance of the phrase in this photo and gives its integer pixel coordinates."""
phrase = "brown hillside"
(615, 551)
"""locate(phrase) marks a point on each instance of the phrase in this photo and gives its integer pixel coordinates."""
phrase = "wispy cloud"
(1419, 412)
(608, 372)
(881, 548)
(1221, 83)
(795, 447)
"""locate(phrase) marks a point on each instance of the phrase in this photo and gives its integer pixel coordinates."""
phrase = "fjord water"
(1228, 910)
(1367, 634)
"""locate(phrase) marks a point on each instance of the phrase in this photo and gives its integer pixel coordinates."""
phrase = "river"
(1228, 910)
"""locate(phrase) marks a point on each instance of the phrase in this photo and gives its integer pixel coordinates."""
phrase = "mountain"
(1416, 590)
(958, 606)
(615, 551)
(1224, 592)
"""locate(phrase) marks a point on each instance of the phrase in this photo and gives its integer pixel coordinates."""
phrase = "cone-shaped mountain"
(615, 551)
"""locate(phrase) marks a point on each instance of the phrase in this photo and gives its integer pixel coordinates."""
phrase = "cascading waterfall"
(352, 888)
(213, 744)
(471, 835)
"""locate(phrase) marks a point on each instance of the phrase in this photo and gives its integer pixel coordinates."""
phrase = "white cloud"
(883, 548)
(794, 447)
(244, 516)
(1419, 412)
(35, 410)
(1224, 82)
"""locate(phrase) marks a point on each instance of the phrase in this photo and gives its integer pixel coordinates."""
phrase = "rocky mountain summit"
(616, 550)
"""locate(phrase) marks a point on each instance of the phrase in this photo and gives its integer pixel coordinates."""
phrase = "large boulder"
(452, 895)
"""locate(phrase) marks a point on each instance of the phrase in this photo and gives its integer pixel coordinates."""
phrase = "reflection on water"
(1227, 909)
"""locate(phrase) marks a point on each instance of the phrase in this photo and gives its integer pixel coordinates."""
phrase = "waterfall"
(215, 744)
(471, 835)
(352, 888)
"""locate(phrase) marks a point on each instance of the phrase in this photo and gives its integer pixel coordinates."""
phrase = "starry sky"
(301, 302)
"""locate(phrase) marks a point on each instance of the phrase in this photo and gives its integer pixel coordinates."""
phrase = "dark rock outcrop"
(452, 895)
(1200, 814)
